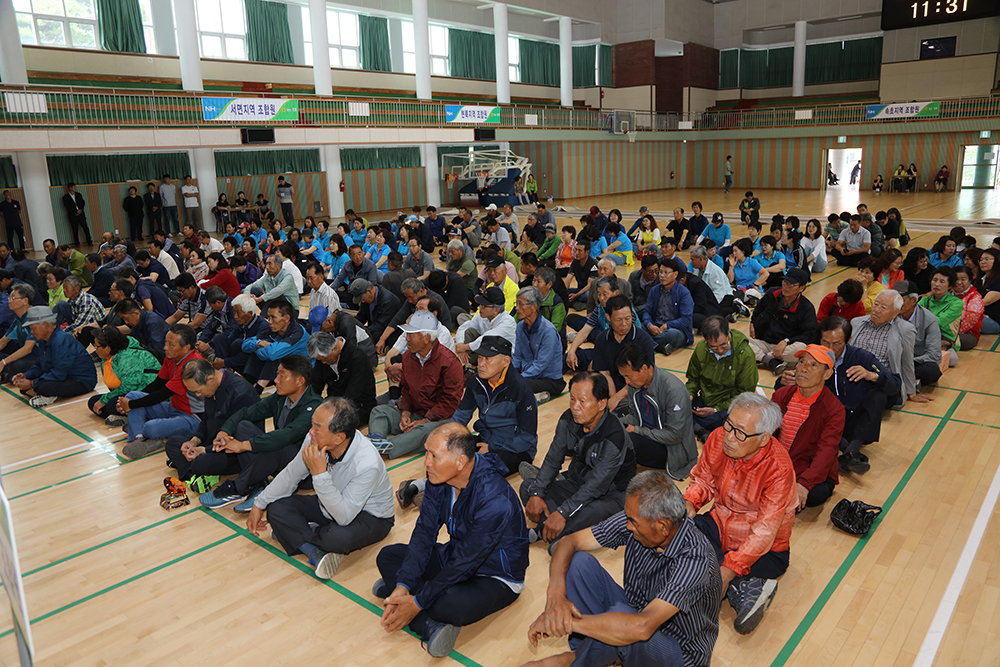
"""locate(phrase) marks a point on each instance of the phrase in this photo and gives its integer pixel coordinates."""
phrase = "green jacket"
(549, 249)
(718, 381)
(948, 312)
(135, 367)
(297, 424)
(77, 265)
(552, 311)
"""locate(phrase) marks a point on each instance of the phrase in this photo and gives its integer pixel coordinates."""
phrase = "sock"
(766, 359)
(310, 550)
(395, 393)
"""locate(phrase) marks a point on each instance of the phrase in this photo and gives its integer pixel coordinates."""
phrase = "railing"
(48, 107)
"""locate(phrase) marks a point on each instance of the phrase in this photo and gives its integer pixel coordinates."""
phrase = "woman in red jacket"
(220, 274)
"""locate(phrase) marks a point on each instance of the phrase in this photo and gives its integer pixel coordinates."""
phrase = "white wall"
(697, 100)
(638, 98)
(971, 76)
(973, 38)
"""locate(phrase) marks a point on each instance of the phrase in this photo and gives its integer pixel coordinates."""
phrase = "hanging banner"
(460, 113)
(905, 110)
(249, 109)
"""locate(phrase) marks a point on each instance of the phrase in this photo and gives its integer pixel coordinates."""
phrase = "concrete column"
(566, 61)
(163, 28)
(297, 32)
(322, 76)
(34, 173)
(422, 43)
(799, 60)
(396, 45)
(187, 45)
(432, 173)
(208, 187)
(330, 156)
(503, 59)
(12, 68)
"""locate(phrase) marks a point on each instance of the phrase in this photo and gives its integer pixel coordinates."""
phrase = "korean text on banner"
(249, 109)
(461, 113)
(904, 110)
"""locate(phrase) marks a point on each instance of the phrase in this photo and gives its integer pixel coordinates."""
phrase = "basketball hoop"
(631, 137)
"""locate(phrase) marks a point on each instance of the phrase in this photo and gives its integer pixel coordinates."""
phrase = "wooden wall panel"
(374, 190)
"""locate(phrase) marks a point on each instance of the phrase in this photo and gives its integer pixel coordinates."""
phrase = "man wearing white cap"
(63, 368)
(431, 385)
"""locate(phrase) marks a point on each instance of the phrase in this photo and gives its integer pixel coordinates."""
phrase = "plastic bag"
(854, 516)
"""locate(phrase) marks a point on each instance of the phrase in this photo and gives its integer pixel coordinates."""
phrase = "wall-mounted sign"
(249, 109)
(462, 113)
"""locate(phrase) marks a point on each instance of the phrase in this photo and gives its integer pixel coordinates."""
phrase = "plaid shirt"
(874, 339)
(755, 500)
(86, 310)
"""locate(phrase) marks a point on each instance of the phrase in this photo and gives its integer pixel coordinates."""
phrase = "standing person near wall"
(168, 195)
(192, 208)
(729, 173)
(133, 207)
(10, 211)
(285, 191)
(154, 208)
(75, 209)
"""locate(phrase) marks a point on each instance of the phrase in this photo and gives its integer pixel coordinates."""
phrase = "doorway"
(979, 167)
(844, 163)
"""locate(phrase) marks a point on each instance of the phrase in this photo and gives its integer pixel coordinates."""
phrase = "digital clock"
(899, 14)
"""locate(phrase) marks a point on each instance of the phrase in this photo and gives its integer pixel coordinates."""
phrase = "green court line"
(806, 623)
(409, 460)
(995, 343)
(329, 583)
(152, 570)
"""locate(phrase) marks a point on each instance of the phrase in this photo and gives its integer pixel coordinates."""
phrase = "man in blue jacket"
(439, 588)
(669, 312)
(287, 337)
(538, 347)
(63, 369)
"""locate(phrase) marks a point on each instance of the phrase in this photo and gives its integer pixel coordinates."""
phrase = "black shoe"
(855, 462)
(666, 349)
(406, 492)
(777, 366)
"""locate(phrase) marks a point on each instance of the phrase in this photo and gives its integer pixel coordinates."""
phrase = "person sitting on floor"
(490, 320)
(377, 306)
(643, 279)
(343, 325)
(276, 283)
(622, 333)
(812, 426)
(126, 367)
(666, 612)
(947, 308)
(392, 363)
(148, 329)
(219, 320)
(193, 304)
(79, 309)
(163, 408)
(287, 337)
(783, 322)
(224, 393)
(891, 340)
(538, 352)
(659, 419)
(845, 302)
(414, 291)
(342, 369)
(927, 341)
(669, 310)
(17, 347)
(721, 368)
(602, 463)
(63, 368)
(748, 474)
(241, 445)
(436, 588)
(595, 324)
(431, 384)
(352, 507)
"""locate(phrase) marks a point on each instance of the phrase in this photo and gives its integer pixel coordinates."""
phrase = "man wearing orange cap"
(812, 425)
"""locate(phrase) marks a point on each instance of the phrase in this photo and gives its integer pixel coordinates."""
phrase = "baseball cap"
(717, 217)
(643, 209)
(317, 316)
(491, 207)
(549, 227)
(493, 296)
(906, 288)
(494, 262)
(452, 231)
(797, 276)
(422, 321)
(358, 287)
(39, 314)
(412, 218)
(491, 346)
(820, 353)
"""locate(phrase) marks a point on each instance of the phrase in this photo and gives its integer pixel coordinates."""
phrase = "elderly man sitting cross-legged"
(352, 507)
(63, 368)
(665, 612)
(748, 474)
(439, 588)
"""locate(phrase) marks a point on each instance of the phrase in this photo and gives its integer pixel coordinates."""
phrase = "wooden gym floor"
(113, 579)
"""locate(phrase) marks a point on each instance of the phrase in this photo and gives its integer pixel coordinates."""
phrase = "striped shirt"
(874, 339)
(795, 416)
(686, 575)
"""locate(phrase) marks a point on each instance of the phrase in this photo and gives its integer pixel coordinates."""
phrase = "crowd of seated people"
(251, 361)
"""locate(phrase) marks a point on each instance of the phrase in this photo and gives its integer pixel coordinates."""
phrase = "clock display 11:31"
(927, 8)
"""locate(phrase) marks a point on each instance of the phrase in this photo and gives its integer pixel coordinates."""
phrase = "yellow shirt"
(510, 290)
(870, 295)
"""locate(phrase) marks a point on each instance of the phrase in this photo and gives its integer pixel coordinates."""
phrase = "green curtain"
(8, 175)
(753, 68)
(584, 66)
(472, 55)
(356, 159)
(823, 62)
(729, 68)
(605, 67)
(90, 169)
(539, 62)
(258, 163)
(375, 55)
(120, 24)
(268, 37)
(779, 66)
(862, 59)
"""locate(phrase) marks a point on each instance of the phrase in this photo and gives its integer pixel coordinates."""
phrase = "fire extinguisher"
(343, 187)
(671, 174)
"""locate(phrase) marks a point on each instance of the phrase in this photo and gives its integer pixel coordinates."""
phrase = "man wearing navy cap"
(783, 323)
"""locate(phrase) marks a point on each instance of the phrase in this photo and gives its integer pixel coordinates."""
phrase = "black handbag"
(854, 516)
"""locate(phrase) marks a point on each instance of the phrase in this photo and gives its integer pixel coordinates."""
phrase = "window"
(221, 29)
(343, 35)
(438, 48)
(514, 58)
(57, 23)
(147, 25)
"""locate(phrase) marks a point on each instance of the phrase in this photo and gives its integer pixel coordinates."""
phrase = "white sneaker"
(542, 396)
(41, 401)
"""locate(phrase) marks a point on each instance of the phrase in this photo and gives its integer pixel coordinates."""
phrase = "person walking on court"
(729, 173)
(285, 191)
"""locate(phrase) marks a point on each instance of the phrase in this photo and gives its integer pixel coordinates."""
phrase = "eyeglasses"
(720, 347)
(740, 435)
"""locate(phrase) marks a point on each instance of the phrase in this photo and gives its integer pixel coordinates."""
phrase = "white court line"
(60, 404)
(45, 456)
(935, 633)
